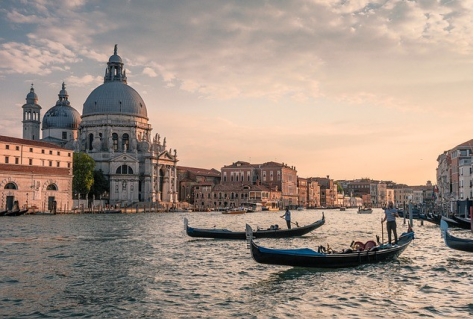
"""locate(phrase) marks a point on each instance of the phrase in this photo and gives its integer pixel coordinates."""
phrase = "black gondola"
(306, 257)
(463, 244)
(464, 223)
(272, 232)
(16, 212)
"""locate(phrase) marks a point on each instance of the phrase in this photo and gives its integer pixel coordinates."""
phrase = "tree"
(83, 170)
(101, 184)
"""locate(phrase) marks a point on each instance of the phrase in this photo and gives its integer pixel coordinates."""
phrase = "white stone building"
(115, 132)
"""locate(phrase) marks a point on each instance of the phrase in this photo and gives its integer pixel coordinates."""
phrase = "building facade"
(35, 174)
(114, 130)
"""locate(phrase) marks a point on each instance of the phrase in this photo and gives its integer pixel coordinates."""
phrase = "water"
(145, 266)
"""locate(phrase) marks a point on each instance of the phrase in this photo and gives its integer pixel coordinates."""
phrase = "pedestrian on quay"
(390, 215)
(287, 217)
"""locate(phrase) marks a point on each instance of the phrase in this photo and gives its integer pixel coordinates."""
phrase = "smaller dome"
(115, 58)
(32, 95)
(61, 116)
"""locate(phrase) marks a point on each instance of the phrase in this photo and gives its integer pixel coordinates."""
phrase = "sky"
(351, 89)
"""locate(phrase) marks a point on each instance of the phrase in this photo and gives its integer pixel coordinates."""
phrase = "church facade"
(114, 130)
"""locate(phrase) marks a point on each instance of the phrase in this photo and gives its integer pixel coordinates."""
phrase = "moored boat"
(306, 257)
(16, 212)
(364, 210)
(272, 232)
(463, 244)
(233, 211)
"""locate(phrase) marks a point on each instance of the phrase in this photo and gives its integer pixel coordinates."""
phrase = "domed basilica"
(115, 132)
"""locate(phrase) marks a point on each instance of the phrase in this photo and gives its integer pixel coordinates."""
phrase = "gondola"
(432, 218)
(306, 257)
(463, 244)
(272, 232)
(16, 212)
(463, 222)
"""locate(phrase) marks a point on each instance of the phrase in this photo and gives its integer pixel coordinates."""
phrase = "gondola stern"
(248, 235)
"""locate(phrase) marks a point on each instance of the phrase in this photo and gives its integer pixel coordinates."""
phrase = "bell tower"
(31, 116)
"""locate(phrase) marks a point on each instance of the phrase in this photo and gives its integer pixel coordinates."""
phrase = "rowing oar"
(382, 230)
(296, 224)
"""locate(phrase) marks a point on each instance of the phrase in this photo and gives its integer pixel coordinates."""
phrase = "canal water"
(145, 266)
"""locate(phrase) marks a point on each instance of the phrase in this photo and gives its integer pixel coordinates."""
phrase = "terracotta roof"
(201, 171)
(9, 139)
(46, 170)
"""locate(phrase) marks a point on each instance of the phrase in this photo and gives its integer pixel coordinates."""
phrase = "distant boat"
(16, 212)
(364, 210)
(233, 211)
(342, 209)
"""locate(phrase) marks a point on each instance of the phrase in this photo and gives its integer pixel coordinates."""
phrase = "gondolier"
(287, 217)
(390, 215)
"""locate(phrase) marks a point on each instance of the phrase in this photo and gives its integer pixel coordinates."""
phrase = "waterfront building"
(314, 193)
(328, 191)
(35, 174)
(454, 178)
(278, 179)
(302, 191)
(192, 180)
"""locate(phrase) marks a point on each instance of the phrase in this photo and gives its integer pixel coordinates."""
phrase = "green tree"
(83, 171)
(100, 186)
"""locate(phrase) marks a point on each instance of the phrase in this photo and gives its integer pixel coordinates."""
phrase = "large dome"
(61, 116)
(114, 98)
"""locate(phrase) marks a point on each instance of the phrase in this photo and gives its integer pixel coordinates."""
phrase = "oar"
(382, 232)
(296, 224)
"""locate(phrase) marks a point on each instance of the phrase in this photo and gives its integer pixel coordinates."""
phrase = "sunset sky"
(348, 89)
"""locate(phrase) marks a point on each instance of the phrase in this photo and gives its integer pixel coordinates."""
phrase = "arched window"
(10, 186)
(91, 139)
(125, 142)
(124, 169)
(52, 187)
(115, 141)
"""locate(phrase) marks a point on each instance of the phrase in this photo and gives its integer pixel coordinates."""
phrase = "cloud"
(150, 72)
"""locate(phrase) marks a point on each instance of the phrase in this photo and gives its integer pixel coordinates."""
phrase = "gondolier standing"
(390, 215)
(287, 217)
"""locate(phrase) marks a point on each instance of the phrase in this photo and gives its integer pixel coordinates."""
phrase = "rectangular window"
(6, 159)
(68, 165)
(50, 152)
(30, 161)
(17, 160)
(59, 153)
(57, 164)
(7, 147)
(31, 149)
(64, 135)
(17, 148)
(50, 163)
(42, 151)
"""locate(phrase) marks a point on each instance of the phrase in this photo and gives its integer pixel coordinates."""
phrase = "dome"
(32, 95)
(61, 116)
(114, 98)
(115, 59)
